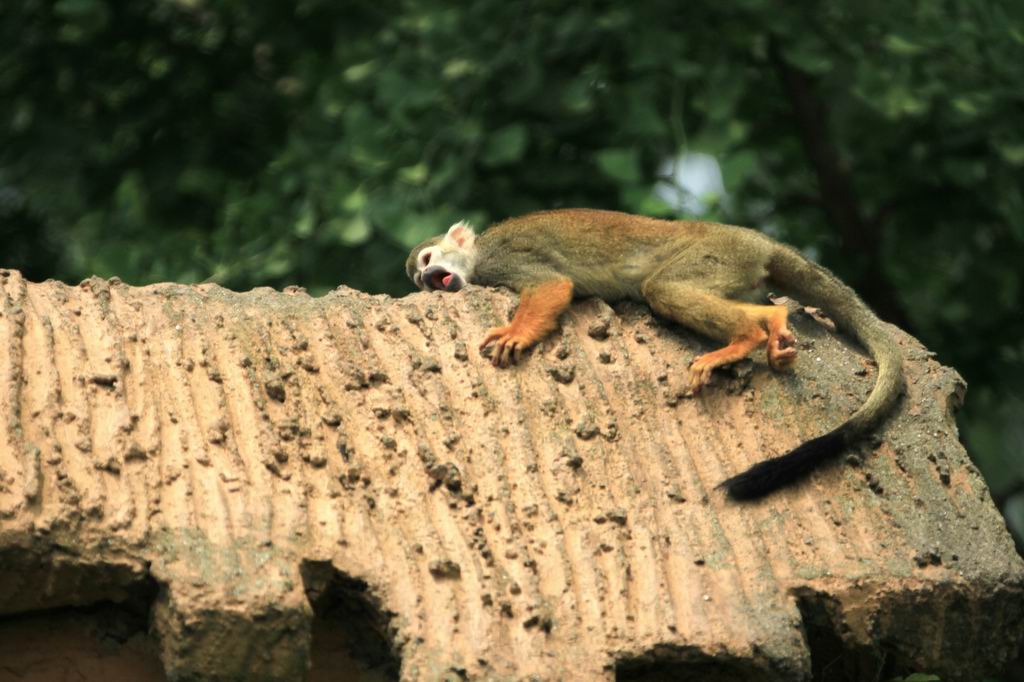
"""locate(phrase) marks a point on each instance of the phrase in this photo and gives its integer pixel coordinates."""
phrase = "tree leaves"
(620, 164)
(505, 145)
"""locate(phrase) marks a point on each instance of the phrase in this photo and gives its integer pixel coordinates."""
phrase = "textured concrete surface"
(268, 475)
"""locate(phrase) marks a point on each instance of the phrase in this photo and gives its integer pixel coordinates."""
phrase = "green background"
(314, 142)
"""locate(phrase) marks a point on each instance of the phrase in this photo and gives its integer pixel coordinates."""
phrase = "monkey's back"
(605, 253)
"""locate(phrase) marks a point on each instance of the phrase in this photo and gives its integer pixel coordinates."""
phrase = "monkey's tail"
(814, 285)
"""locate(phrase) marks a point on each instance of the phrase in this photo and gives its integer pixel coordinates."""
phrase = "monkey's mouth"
(439, 279)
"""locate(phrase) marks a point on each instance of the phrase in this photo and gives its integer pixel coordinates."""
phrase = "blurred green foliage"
(313, 142)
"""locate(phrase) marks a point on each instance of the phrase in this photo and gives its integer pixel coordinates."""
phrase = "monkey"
(695, 273)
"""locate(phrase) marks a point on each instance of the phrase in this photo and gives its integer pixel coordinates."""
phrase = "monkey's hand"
(537, 316)
(511, 343)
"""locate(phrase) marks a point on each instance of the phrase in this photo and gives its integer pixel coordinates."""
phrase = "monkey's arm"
(537, 316)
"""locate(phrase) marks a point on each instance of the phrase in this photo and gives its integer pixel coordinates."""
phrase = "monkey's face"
(444, 263)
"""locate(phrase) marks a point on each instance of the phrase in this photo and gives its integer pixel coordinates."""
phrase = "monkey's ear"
(461, 234)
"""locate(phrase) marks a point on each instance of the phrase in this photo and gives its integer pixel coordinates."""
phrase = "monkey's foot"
(509, 345)
(741, 347)
(700, 373)
(781, 349)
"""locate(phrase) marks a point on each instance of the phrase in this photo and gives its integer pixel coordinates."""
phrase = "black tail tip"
(770, 475)
(745, 486)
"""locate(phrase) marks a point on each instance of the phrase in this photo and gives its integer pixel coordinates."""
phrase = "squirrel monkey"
(688, 271)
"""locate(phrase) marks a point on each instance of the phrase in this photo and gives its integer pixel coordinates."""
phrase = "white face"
(447, 265)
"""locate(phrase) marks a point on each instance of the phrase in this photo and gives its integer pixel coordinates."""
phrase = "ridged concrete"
(558, 519)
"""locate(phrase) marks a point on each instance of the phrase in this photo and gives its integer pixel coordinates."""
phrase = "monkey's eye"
(425, 259)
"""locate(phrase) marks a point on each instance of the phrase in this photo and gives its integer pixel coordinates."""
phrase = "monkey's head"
(444, 262)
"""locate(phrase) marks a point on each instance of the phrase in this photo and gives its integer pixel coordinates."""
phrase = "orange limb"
(536, 317)
(781, 341)
(741, 347)
(763, 323)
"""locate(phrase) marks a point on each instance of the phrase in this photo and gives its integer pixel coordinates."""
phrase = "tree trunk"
(268, 481)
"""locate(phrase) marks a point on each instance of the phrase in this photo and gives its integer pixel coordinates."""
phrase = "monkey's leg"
(537, 316)
(744, 326)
